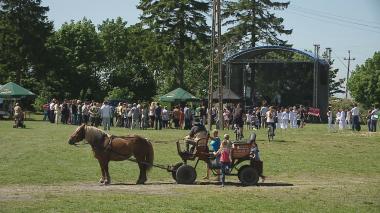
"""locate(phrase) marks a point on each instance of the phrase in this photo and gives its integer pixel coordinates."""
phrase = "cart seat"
(242, 150)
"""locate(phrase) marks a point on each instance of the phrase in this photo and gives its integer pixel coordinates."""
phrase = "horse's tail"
(149, 157)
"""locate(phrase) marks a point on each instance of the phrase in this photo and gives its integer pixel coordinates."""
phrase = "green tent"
(14, 91)
(178, 95)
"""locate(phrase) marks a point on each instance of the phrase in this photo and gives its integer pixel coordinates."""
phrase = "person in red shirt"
(45, 107)
(225, 159)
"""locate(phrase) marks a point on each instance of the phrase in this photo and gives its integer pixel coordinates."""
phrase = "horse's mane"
(94, 135)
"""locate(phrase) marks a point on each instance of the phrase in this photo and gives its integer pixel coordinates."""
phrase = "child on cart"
(215, 145)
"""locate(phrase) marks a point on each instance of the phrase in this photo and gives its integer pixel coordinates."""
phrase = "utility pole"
(329, 62)
(220, 61)
(215, 38)
(315, 76)
(349, 59)
(328, 52)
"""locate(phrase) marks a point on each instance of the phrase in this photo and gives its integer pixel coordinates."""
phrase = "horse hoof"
(101, 180)
(141, 182)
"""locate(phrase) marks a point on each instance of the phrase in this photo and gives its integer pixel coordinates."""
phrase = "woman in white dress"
(342, 120)
(337, 118)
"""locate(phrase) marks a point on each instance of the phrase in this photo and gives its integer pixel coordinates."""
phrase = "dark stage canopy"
(280, 75)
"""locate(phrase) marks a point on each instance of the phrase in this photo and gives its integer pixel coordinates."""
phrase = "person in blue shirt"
(215, 145)
(215, 141)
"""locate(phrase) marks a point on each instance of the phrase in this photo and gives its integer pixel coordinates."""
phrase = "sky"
(339, 24)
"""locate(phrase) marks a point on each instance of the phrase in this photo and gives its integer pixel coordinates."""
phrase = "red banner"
(314, 112)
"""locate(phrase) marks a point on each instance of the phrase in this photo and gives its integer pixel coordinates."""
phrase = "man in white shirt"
(355, 118)
(105, 113)
(188, 116)
(51, 111)
(135, 112)
(374, 118)
(263, 113)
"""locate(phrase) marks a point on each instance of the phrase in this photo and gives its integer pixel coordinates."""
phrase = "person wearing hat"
(18, 114)
(196, 134)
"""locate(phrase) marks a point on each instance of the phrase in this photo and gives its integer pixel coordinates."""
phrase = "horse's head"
(78, 135)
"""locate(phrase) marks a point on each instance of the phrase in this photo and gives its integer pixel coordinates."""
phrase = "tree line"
(168, 48)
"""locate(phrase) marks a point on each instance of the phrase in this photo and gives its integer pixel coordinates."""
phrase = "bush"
(41, 99)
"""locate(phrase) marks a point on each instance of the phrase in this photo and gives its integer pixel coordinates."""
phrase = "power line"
(338, 19)
(349, 59)
(334, 15)
(340, 60)
(332, 21)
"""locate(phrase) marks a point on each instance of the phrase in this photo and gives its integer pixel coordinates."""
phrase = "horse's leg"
(107, 174)
(142, 177)
(102, 170)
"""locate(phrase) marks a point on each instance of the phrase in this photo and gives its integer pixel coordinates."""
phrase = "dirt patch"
(28, 192)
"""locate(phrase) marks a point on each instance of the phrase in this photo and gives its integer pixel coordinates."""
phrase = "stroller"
(19, 121)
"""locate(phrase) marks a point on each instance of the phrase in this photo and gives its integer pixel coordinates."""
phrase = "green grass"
(309, 170)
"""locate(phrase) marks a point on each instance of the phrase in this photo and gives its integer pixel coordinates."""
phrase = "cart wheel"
(175, 168)
(248, 175)
(186, 174)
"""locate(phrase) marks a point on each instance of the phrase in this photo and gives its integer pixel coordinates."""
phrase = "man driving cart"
(198, 136)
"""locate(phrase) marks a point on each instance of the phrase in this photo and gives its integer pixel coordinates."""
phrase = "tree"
(364, 83)
(179, 25)
(76, 59)
(253, 21)
(24, 29)
(335, 85)
(125, 67)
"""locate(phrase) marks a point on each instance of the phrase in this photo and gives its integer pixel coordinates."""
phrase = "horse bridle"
(74, 138)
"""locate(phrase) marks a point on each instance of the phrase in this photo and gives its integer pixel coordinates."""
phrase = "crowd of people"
(127, 115)
(350, 118)
(155, 116)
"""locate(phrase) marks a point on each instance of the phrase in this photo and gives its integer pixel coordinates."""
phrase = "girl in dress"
(225, 159)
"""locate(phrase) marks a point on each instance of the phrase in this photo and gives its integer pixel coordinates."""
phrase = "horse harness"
(108, 148)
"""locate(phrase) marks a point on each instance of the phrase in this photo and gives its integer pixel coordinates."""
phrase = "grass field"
(309, 170)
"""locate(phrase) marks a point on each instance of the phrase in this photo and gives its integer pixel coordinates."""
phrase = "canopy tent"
(178, 95)
(228, 95)
(14, 91)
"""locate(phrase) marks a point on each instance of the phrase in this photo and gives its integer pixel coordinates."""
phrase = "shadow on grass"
(242, 185)
(278, 184)
(276, 140)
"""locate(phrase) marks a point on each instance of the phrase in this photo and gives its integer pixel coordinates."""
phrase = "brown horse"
(107, 148)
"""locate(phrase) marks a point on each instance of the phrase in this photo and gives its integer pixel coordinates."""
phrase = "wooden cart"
(242, 165)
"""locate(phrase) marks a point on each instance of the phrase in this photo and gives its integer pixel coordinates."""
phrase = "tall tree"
(253, 21)
(24, 29)
(179, 25)
(77, 56)
(335, 85)
(125, 69)
(364, 83)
